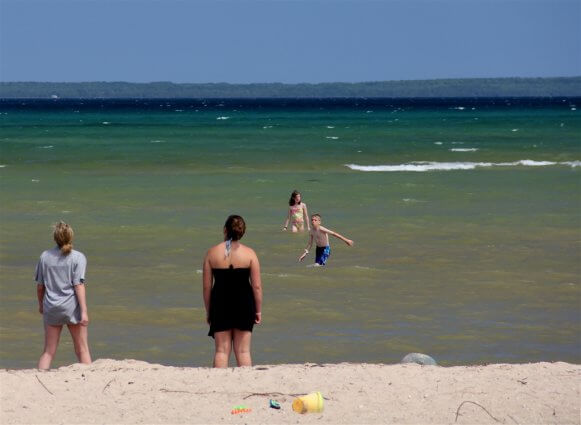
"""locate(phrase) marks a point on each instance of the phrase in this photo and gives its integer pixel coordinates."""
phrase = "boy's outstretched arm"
(302, 257)
(338, 236)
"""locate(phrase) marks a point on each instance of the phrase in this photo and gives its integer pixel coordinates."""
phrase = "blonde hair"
(63, 236)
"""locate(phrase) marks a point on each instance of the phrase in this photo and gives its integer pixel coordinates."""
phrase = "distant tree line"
(470, 87)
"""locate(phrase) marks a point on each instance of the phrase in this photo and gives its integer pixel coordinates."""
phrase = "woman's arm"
(40, 295)
(306, 216)
(207, 284)
(256, 283)
(82, 298)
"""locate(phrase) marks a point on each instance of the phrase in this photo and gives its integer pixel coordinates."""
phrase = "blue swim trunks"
(322, 254)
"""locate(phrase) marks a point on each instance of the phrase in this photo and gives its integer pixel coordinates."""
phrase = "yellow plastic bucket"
(310, 403)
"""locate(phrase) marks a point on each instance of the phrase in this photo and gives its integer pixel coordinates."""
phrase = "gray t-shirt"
(59, 274)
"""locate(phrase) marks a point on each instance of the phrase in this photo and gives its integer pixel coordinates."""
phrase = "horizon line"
(287, 83)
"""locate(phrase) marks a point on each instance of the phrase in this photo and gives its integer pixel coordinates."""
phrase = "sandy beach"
(129, 391)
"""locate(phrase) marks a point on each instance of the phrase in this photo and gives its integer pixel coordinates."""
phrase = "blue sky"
(248, 41)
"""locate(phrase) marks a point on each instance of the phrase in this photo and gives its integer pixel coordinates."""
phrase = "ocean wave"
(463, 149)
(223, 118)
(422, 166)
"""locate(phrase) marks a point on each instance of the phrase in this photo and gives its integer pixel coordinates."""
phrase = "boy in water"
(321, 236)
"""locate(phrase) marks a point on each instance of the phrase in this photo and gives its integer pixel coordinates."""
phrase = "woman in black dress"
(232, 294)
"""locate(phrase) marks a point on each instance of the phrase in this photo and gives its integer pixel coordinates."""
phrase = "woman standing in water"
(60, 279)
(232, 292)
(297, 214)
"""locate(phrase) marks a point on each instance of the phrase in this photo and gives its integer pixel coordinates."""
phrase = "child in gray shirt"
(60, 278)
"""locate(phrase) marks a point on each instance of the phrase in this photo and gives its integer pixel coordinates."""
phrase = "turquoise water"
(467, 230)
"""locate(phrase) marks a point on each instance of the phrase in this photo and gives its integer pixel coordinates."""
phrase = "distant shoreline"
(441, 88)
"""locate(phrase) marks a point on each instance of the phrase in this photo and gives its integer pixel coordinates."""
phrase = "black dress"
(231, 301)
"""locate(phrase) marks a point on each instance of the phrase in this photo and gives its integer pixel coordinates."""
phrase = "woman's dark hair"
(235, 227)
(292, 200)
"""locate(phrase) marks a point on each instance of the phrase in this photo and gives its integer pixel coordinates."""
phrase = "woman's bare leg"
(223, 342)
(242, 347)
(80, 335)
(52, 336)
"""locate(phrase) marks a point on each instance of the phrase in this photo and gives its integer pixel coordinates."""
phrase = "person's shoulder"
(248, 251)
(78, 255)
(50, 253)
(214, 249)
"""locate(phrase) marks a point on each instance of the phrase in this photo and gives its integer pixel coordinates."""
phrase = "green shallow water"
(469, 266)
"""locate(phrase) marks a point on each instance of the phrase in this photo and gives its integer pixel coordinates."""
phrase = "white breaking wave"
(422, 166)
(223, 118)
(157, 141)
(331, 137)
(2, 166)
(47, 147)
(463, 150)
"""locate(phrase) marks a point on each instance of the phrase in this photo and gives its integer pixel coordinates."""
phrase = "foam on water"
(422, 166)
(331, 137)
(157, 141)
(47, 147)
(2, 166)
(223, 118)
(463, 150)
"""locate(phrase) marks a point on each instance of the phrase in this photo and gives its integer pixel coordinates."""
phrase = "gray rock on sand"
(419, 358)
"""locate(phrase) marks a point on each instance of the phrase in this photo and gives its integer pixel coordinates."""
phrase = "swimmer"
(320, 235)
(297, 214)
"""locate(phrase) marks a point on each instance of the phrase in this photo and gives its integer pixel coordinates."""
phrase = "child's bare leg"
(52, 336)
(223, 342)
(242, 347)
(80, 335)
